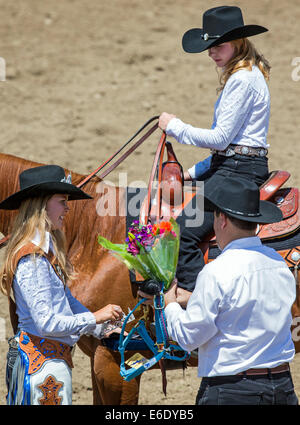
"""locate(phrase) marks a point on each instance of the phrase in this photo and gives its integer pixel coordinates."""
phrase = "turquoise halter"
(161, 349)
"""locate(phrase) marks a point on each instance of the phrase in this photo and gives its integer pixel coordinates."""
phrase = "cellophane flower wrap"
(151, 250)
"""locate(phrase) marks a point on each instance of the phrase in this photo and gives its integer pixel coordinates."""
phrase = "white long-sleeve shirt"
(239, 314)
(241, 115)
(45, 307)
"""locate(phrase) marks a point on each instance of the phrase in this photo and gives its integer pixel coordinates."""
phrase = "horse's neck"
(85, 220)
(10, 168)
(105, 214)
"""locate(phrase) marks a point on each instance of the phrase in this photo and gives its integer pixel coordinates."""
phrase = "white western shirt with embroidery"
(45, 307)
(241, 117)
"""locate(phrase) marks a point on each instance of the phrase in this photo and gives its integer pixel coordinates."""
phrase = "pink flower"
(133, 248)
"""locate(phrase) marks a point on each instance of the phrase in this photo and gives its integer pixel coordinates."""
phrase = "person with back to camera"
(238, 136)
(36, 269)
(239, 314)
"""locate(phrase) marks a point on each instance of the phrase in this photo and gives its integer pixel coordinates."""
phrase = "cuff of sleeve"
(172, 311)
(173, 308)
(192, 172)
(172, 127)
(98, 331)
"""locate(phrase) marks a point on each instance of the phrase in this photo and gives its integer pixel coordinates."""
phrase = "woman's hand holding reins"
(164, 120)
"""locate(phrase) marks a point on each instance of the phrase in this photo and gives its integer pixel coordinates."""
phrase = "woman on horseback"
(238, 136)
(49, 320)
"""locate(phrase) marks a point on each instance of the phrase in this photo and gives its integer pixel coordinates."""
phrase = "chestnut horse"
(101, 279)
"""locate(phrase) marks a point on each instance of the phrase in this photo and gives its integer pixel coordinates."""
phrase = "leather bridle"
(157, 159)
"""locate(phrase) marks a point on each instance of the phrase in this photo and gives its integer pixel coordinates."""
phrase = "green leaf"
(159, 263)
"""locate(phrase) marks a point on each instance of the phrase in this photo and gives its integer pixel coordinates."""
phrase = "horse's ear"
(172, 179)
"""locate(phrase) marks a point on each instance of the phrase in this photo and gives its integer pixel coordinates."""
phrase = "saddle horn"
(172, 179)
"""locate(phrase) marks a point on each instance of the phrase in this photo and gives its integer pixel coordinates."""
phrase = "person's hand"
(109, 312)
(186, 176)
(164, 120)
(170, 295)
(182, 296)
(115, 331)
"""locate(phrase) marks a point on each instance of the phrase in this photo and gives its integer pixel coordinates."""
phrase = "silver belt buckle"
(229, 152)
(262, 152)
(245, 150)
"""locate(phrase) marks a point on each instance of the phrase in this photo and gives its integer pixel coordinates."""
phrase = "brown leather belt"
(265, 371)
(241, 150)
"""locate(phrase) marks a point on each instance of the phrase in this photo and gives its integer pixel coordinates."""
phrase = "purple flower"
(147, 242)
(133, 248)
(139, 236)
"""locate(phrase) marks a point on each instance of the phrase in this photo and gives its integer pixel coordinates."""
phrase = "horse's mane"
(10, 168)
(90, 224)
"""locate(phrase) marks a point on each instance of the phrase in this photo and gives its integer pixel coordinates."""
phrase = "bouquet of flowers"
(151, 250)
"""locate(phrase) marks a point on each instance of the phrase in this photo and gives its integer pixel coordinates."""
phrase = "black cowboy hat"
(220, 24)
(239, 198)
(41, 181)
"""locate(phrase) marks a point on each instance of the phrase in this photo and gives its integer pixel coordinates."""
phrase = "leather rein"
(157, 159)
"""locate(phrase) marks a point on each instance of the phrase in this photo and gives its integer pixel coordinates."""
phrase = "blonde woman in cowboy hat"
(238, 136)
(239, 315)
(36, 268)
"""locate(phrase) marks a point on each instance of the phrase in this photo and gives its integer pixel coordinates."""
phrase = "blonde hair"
(245, 57)
(32, 217)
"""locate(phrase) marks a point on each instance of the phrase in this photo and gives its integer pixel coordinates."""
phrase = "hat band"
(241, 213)
(209, 37)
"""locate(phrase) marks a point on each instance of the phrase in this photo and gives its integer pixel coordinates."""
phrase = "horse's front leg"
(112, 387)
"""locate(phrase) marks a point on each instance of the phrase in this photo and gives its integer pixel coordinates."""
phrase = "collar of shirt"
(47, 244)
(243, 243)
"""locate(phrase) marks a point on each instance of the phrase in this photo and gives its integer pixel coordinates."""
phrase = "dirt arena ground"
(82, 76)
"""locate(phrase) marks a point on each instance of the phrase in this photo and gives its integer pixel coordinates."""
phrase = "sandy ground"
(83, 75)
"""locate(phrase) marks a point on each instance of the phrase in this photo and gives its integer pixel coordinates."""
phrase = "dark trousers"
(191, 259)
(249, 390)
